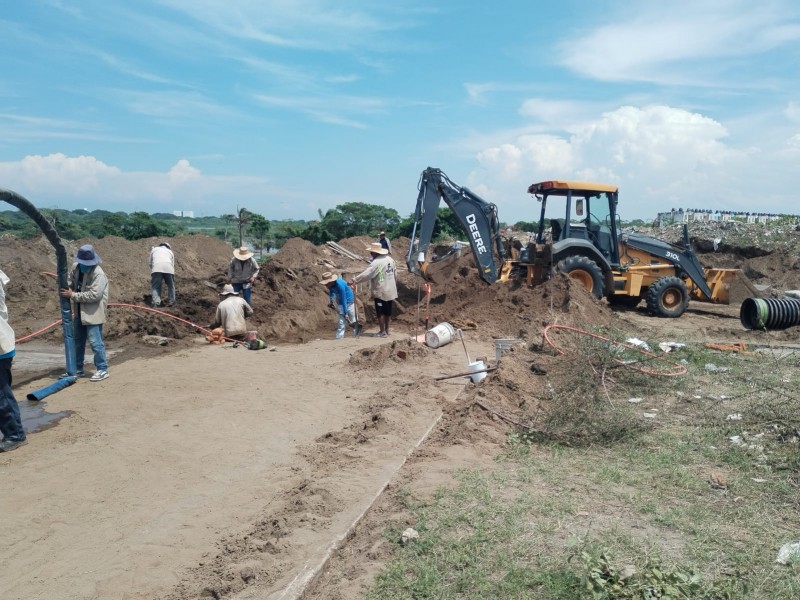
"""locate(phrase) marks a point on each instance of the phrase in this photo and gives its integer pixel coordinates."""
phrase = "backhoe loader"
(585, 241)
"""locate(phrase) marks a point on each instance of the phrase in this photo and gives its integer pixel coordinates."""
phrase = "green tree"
(112, 224)
(526, 226)
(355, 218)
(316, 233)
(242, 219)
(140, 225)
(259, 226)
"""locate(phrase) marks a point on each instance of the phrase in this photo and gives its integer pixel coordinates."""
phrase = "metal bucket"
(478, 365)
(440, 335)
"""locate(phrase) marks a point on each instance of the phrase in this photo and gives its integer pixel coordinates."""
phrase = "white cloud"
(693, 35)
(660, 156)
(557, 113)
(792, 112)
(59, 180)
(332, 109)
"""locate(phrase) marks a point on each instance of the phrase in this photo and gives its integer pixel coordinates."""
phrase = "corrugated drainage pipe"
(770, 313)
(54, 387)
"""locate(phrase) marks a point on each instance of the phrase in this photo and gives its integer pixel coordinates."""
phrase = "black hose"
(770, 313)
(50, 233)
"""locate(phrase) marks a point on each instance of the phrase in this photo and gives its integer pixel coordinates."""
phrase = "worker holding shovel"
(341, 298)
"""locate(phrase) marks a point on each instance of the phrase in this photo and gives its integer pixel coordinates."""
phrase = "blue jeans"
(10, 420)
(245, 291)
(156, 282)
(349, 317)
(93, 333)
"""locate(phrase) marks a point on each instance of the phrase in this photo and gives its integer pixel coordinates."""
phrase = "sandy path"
(170, 455)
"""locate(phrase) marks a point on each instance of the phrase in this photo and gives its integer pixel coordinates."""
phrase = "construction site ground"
(201, 471)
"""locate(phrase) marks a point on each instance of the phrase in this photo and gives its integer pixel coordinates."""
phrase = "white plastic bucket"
(478, 365)
(440, 335)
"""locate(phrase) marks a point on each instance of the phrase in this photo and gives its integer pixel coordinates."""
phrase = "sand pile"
(291, 306)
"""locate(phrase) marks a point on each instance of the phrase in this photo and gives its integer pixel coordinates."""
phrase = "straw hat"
(227, 290)
(328, 277)
(377, 249)
(242, 253)
(87, 256)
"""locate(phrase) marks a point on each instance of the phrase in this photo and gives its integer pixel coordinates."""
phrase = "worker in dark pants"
(385, 243)
(10, 419)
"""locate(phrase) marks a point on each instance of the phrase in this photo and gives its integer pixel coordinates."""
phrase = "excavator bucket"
(726, 285)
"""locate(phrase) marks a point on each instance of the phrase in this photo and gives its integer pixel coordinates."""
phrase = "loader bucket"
(725, 283)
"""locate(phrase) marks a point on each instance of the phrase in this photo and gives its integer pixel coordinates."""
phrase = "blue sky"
(288, 107)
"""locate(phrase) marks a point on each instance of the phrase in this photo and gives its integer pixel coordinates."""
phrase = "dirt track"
(213, 468)
(173, 479)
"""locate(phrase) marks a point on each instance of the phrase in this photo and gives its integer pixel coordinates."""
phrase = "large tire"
(667, 297)
(584, 271)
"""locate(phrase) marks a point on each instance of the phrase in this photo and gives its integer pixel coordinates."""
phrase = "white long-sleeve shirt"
(162, 260)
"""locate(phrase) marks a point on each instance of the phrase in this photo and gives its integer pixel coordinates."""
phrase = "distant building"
(695, 215)
(189, 214)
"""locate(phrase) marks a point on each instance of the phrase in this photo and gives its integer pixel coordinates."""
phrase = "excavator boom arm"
(477, 216)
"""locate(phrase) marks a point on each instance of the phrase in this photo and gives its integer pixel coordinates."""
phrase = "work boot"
(8, 445)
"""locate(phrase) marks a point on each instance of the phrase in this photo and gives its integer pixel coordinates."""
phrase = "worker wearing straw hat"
(381, 274)
(242, 272)
(232, 312)
(341, 298)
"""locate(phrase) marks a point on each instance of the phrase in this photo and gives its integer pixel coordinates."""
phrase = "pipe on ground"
(770, 313)
(54, 387)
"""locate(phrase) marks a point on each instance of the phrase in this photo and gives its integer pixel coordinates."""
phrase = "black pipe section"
(29, 209)
(770, 313)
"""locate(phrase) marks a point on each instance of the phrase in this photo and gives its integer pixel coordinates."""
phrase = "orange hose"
(35, 333)
(147, 308)
(678, 368)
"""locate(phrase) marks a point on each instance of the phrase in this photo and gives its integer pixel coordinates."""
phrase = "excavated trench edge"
(298, 586)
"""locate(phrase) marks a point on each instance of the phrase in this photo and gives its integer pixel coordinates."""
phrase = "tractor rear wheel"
(584, 271)
(667, 297)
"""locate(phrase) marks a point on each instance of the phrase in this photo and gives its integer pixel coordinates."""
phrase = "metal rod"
(467, 374)
(461, 335)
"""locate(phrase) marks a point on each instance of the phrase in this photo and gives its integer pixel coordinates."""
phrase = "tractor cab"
(589, 213)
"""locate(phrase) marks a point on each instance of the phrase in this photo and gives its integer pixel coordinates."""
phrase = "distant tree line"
(242, 227)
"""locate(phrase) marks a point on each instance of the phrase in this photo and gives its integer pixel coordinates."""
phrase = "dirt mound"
(34, 303)
(291, 306)
(501, 310)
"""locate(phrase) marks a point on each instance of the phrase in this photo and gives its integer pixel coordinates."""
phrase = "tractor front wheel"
(667, 297)
(584, 271)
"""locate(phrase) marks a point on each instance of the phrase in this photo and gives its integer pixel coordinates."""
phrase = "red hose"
(35, 333)
(147, 308)
(678, 369)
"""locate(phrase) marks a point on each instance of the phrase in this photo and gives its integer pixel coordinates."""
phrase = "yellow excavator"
(586, 243)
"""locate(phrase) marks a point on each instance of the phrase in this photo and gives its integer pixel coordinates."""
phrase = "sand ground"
(214, 469)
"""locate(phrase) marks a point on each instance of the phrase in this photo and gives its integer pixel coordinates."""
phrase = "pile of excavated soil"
(291, 306)
(34, 302)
